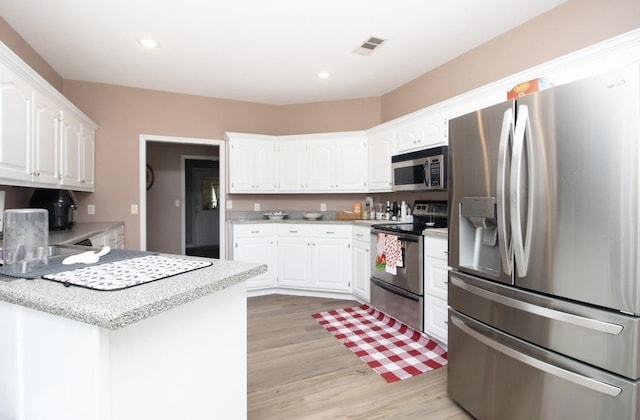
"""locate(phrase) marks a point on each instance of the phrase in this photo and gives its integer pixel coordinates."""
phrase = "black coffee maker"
(61, 205)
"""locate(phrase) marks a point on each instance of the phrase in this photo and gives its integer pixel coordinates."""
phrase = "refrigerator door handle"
(522, 140)
(567, 375)
(580, 321)
(504, 242)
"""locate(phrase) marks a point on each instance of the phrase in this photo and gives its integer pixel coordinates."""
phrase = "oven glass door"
(404, 272)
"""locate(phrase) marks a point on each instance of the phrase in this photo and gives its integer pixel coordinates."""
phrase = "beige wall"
(572, 26)
(17, 44)
(124, 113)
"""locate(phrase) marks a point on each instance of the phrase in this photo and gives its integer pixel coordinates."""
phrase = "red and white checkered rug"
(392, 349)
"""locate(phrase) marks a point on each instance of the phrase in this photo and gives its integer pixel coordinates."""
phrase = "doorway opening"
(163, 224)
(202, 206)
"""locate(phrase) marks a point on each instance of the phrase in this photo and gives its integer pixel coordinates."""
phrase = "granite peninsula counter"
(171, 348)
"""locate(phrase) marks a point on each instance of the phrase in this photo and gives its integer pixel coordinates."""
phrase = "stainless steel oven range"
(397, 270)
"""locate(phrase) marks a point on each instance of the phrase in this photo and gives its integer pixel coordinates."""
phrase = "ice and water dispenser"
(479, 248)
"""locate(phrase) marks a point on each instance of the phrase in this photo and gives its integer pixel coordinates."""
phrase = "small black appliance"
(61, 205)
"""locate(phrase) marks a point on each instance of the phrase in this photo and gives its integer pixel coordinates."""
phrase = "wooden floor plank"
(297, 370)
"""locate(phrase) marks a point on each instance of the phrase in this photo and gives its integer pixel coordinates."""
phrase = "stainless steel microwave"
(424, 170)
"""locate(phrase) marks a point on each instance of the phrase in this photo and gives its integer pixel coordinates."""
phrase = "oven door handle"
(394, 289)
(402, 237)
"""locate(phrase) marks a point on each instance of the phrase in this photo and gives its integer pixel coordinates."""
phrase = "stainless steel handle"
(504, 241)
(522, 140)
(603, 388)
(592, 324)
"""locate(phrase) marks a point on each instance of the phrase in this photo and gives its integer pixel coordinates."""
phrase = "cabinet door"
(435, 319)
(380, 149)
(46, 140)
(361, 269)
(88, 157)
(320, 164)
(265, 166)
(241, 166)
(435, 267)
(351, 164)
(292, 166)
(294, 262)
(16, 104)
(71, 151)
(331, 264)
(422, 132)
(258, 250)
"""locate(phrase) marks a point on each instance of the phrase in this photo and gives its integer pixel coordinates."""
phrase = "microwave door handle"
(426, 167)
(504, 242)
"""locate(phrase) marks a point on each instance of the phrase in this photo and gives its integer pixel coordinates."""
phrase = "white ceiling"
(265, 51)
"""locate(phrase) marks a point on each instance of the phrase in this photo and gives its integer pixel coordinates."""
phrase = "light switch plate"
(134, 209)
(91, 209)
(323, 207)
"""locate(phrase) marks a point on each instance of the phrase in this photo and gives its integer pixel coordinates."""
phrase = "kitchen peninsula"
(168, 349)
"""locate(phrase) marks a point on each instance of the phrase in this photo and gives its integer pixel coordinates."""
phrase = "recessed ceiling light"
(324, 75)
(148, 43)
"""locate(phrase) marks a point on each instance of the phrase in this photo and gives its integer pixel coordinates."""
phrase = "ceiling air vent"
(369, 46)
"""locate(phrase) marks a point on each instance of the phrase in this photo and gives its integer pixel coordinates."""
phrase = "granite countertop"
(329, 218)
(119, 308)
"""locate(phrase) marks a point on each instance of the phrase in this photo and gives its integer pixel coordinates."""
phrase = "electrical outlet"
(134, 209)
(229, 204)
(91, 209)
(323, 207)
(256, 207)
(177, 203)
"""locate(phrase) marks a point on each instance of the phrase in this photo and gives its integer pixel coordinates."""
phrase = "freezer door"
(479, 168)
(601, 338)
(496, 376)
(575, 199)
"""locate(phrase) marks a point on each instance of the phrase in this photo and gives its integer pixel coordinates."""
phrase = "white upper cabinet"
(71, 151)
(380, 148)
(334, 162)
(427, 129)
(16, 103)
(41, 132)
(351, 164)
(253, 163)
(46, 140)
(337, 163)
(292, 169)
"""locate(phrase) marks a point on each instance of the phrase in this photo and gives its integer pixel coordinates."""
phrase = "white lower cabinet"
(113, 238)
(294, 256)
(436, 282)
(331, 258)
(361, 262)
(257, 243)
(299, 256)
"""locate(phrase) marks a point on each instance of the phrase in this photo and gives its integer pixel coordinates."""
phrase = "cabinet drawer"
(293, 230)
(361, 233)
(435, 318)
(436, 277)
(436, 247)
(331, 231)
(257, 230)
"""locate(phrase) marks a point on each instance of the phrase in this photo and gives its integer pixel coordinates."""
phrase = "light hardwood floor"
(297, 370)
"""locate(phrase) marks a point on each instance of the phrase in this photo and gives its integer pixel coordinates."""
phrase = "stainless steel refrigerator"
(544, 242)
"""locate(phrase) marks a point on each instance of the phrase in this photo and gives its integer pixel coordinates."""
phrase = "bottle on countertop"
(403, 211)
(387, 212)
(394, 211)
